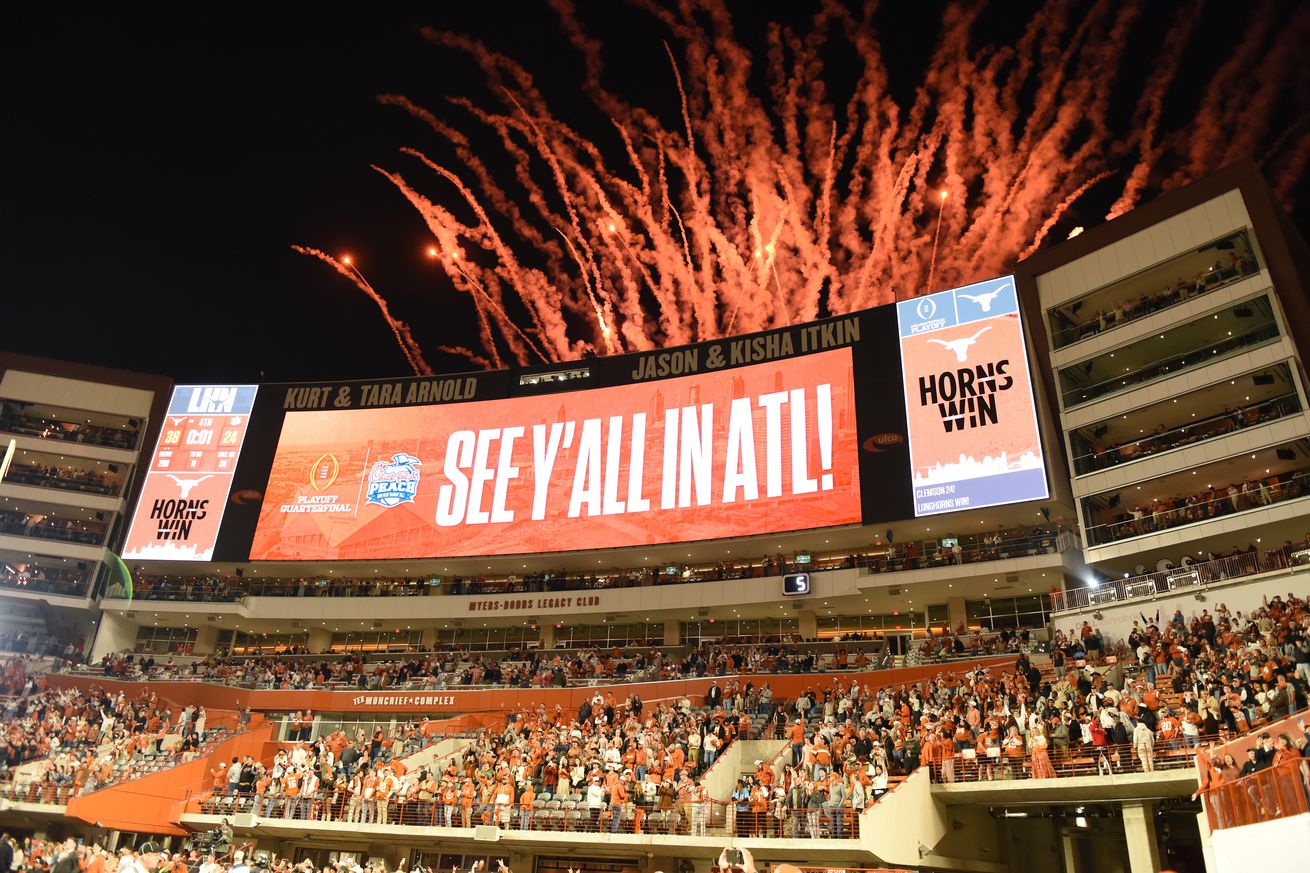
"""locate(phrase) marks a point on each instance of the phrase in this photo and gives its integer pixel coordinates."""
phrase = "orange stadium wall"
(153, 804)
(458, 701)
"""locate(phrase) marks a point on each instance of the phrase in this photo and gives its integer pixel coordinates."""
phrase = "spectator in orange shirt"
(946, 754)
(618, 797)
(796, 735)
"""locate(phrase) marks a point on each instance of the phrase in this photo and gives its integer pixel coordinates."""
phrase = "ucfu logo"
(212, 398)
(393, 482)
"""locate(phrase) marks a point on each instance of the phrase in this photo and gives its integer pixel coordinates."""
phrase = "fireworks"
(750, 211)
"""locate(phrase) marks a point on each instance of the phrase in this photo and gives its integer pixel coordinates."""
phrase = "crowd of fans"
(531, 668)
(50, 527)
(1240, 264)
(66, 477)
(60, 743)
(623, 769)
(1227, 672)
(617, 766)
(1166, 512)
(70, 581)
(16, 418)
(1171, 687)
(15, 678)
(892, 557)
(1098, 456)
(40, 645)
(1077, 390)
(1154, 699)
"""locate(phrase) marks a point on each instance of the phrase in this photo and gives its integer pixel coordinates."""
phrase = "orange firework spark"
(752, 210)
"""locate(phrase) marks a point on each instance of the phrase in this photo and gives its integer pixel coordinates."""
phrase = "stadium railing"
(1183, 578)
(1291, 485)
(910, 556)
(1279, 791)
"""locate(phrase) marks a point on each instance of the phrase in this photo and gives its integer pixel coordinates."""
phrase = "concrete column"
(319, 640)
(1139, 832)
(116, 634)
(89, 641)
(429, 638)
(1069, 849)
(955, 612)
(393, 854)
(547, 635)
(1207, 844)
(672, 632)
(206, 639)
(809, 624)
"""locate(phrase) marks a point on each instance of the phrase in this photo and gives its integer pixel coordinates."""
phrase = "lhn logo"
(212, 398)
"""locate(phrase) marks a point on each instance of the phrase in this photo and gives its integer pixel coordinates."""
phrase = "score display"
(969, 400)
(186, 486)
(795, 584)
(915, 408)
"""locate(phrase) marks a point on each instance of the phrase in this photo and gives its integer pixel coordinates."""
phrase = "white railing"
(1180, 578)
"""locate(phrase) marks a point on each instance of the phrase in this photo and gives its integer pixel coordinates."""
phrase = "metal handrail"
(1170, 581)
(1154, 303)
(1204, 510)
(1169, 365)
(1279, 791)
(1038, 540)
(1153, 444)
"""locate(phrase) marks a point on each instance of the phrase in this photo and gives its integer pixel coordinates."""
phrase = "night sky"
(158, 162)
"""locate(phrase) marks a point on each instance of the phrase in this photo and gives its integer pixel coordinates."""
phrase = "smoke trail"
(738, 208)
(404, 338)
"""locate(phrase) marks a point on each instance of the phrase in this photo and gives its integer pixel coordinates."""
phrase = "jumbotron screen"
(906, 410)
(972, 420)
(759, 449)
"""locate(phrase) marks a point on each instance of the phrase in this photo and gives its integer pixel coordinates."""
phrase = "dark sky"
(158, 162)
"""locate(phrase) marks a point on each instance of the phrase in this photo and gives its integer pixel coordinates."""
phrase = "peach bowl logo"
(391, 483)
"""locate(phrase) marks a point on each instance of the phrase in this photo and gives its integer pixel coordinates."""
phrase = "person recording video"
(735, 859)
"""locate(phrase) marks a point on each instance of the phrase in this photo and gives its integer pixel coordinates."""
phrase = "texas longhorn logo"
(393, 482)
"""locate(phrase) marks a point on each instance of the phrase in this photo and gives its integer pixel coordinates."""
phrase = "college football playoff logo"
(393, 482)
(324, 472)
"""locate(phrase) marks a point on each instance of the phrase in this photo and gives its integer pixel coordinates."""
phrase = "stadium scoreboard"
(907, 410)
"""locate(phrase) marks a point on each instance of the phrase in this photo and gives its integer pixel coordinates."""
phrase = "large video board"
(968, 400)
(185, 492)
(915, 409)
(757, 449)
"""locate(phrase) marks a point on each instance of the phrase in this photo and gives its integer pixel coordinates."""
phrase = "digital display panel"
(968, 400)
(759, 448)
(186, 486)
(795, 584)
